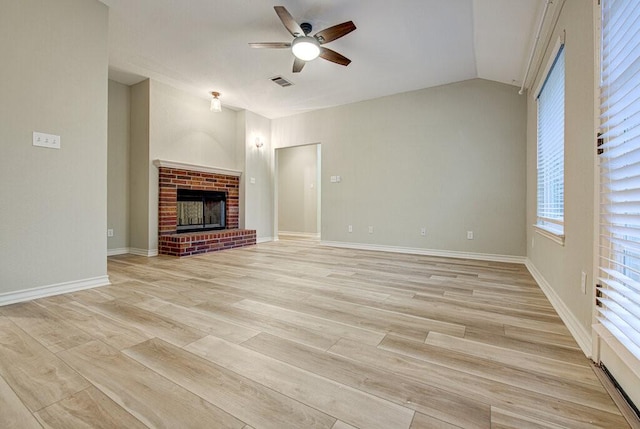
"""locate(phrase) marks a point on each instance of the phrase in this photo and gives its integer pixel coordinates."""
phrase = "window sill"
(549, 233)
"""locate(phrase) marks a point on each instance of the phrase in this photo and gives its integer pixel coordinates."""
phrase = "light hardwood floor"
(291, 334)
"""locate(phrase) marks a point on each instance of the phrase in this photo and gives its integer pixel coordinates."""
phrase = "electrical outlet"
(469, 235)
(333, 179)
(583, 283)
(423, 231)
(109, 233)
(50, 141)
(370, 230)
(350, 228)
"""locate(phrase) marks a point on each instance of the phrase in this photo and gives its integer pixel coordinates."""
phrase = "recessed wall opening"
(298, 191)
(200, 210)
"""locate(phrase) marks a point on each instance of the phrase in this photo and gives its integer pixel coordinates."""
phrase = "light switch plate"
(50, 141)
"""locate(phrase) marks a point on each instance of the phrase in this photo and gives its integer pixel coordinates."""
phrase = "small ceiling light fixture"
(306, 48)
(215, 102)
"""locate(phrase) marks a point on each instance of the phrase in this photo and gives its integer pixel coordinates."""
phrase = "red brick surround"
(171, 243)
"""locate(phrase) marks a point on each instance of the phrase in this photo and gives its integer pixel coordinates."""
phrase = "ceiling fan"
(304, 47)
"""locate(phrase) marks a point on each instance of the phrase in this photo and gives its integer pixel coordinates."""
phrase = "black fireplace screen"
(200, 210)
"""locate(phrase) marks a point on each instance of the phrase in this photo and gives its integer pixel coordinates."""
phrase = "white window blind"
(619, 268)
(550, 210)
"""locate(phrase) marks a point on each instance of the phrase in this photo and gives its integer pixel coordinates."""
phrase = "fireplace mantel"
(195, 167)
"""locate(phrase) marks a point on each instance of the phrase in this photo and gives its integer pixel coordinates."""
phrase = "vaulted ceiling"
(202, 45)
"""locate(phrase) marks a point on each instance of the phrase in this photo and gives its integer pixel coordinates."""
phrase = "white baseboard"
(121, 251)
(300, 234)
(143, 252)
(50, 290)
(132, 251)
(428, 252)
(580, 334)
(263, 239)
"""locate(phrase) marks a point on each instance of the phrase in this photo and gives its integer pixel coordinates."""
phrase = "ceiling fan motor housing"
(306, 27)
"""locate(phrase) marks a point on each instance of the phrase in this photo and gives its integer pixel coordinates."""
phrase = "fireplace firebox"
(200, 210)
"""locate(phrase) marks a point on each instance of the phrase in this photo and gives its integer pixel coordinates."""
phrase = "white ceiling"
(202, 46)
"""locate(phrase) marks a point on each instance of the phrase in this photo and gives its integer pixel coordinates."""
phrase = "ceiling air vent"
(281, 81)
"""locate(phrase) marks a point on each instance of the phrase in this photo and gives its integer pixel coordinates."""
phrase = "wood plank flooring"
(292, 334)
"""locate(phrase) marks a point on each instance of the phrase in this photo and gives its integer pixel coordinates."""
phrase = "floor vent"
(281, 81)
(622, 400)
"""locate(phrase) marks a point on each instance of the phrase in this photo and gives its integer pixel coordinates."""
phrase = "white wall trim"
(263, 239)
(196, 167)
(143, 252)
(54, 289)
(550, 61)
(300, 234)
(580, 334)
(427, 252)
(548, 233)
(120, 251)
(132, 251)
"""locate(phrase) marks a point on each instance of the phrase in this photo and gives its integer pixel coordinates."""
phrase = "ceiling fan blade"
(271, 45)
(337, 31)
(334, 57)
(298, 64)
(288, 21)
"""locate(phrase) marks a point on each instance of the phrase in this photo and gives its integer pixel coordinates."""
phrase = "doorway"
(298, 192)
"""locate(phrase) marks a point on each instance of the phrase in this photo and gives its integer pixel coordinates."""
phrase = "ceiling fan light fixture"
(306, 48)
(215, 102)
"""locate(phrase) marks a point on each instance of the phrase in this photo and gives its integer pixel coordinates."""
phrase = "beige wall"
(139, 238)
(53, 79)
(449, 159)
(241, 149)
(297, 189)
(182, 128)
(118, 166)
(258, 193)
(561, 266)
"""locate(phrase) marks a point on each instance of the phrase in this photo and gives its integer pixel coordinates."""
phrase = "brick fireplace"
(174, 176)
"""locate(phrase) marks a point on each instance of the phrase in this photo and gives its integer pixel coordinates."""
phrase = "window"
(619, 147)
(550, 211)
